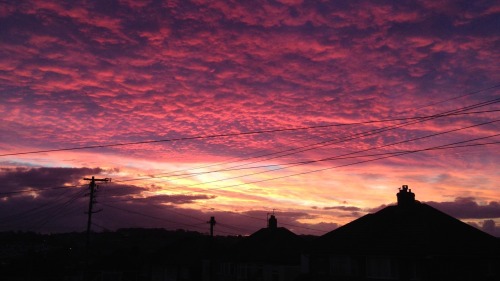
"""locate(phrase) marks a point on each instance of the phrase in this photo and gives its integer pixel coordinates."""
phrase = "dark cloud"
(462, 208)
(56, 203)
(252, 221)
(353, 215)
(15, 179)
(117, 214)
(343, 208)
(62, 211)
(376, 209)
(120, 190)
(280, 213)
(468, 208)
(488, 226)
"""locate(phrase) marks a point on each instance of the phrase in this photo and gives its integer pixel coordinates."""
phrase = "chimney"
(405, 197)
(272, 222)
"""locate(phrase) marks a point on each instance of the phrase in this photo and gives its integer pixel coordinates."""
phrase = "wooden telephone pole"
(212, 223)
(92, 187)
(211, 272)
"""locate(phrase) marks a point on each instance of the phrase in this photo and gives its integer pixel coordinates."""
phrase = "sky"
(317, 111)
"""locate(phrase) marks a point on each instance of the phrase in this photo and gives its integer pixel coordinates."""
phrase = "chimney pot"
(405, 196)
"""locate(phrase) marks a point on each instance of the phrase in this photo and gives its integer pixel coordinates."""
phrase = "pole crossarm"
(92, 187)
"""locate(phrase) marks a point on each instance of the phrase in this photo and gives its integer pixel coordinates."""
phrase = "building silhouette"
(271, 253)
(407, 241)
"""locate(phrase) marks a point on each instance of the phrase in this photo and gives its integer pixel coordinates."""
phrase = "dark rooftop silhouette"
(272, 244)
(409, 226)
(409, 236)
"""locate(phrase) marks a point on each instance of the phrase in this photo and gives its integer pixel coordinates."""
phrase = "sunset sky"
(304, 108)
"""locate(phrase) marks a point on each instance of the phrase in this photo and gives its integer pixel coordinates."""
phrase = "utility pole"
(92, 187)
(210, 250)
(212, 223)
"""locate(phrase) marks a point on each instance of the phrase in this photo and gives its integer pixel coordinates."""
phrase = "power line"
(197, 225)
(329, 168)
(174, 139)
(390, 154)
(385, 155)
(229, 134)
(59, 213)
(301, 148)
(236, 228)
(41, 215)
(368, 133)
(313, 161)
(149, 216)
(452, 145)
(371, 132)
(418, 119)
(201, 220)
(307, 162)
(234, 168)
(58, 210)
(42, 206)
(36, 211)
(62, 207)
(205, 136)
(332, 158)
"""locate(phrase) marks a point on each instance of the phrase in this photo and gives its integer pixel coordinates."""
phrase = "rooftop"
(409, 226)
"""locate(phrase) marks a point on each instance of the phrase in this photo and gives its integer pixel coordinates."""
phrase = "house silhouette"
(271, 253)
(407, 241)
